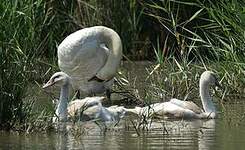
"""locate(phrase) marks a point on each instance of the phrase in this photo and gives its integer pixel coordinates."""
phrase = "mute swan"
(91, 57)
(87, 109)
(185, 109)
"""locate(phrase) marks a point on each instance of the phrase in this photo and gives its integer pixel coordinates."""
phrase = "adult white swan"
(91, 57)
(185, 109)
(86, 109)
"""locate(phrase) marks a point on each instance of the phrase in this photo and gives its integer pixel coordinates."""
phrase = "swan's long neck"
(206, 99)
(61, 110)
(113, 41)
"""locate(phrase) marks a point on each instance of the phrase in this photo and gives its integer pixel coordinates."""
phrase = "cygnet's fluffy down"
(179, 109)
(90, 108)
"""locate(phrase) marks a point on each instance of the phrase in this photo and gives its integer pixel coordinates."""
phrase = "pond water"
(227, 132)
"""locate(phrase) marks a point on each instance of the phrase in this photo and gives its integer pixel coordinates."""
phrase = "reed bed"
(182, 37)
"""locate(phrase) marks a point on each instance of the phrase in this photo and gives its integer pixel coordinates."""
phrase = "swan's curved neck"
(113, 41)
(206, 99)
(61, 110)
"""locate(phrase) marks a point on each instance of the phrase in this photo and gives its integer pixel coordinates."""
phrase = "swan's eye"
(56, 77)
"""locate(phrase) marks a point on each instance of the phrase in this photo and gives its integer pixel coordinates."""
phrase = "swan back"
(187, 105)
(90, 108)
(178, 109)
(80, 56)
(89, 52)
(110, 114)
(89, 104)
(172, 111)
(166, 110)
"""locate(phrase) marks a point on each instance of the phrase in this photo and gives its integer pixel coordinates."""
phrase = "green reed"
(22, 44)
(207, 30)
(184, 37)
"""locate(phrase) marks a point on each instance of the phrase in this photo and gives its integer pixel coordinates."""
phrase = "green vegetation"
(183, 37)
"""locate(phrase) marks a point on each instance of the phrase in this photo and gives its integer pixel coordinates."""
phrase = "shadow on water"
(227, 132)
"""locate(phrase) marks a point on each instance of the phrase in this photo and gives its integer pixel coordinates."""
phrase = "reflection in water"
(206, 136)
(87, 135)
(62, 141)
(226, 133)
(197, 134)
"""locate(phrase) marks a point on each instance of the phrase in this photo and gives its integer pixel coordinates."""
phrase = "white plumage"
(90, 52)
(184, 109)
(89, 108)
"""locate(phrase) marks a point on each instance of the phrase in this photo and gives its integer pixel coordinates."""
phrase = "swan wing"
(172, 111)
(74, 106)
(80, 105)
(187, 105)
(81, 56)
(164, 110)
(80, 110)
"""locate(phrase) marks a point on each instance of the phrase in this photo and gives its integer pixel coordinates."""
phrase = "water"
(210, 134)
(225, 133)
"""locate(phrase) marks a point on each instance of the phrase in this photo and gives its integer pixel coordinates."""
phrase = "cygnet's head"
(59, 79)
(209, 78)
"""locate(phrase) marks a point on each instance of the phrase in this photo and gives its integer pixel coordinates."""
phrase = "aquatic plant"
(21, 46)
(184, 29)
(184, 37)
(206, 29)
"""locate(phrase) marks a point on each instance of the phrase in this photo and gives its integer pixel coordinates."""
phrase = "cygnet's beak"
(48, 84)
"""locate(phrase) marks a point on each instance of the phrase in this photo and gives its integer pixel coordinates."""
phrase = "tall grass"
(124, 16)
(169, 31)
(206, 29)
(192, 29)
(22, 44)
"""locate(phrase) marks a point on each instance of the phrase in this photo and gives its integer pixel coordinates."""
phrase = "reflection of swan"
(89, 107)
(90, 57)
(185, 109)
(206, 136)
(180, 134)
